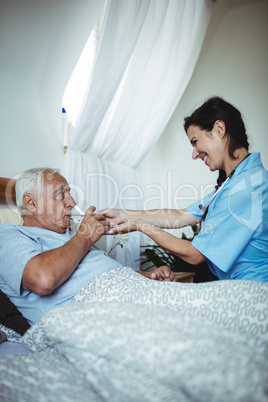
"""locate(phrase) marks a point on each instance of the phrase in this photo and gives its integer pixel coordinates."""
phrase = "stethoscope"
(204, 207)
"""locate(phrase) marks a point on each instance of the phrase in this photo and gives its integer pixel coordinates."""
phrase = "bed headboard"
(8, 211)
(7, 192)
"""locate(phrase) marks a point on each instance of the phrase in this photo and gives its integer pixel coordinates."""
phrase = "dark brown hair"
(214, 109)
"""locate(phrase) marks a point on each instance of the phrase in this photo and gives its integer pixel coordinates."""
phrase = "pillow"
(11, 317)
(8, 215)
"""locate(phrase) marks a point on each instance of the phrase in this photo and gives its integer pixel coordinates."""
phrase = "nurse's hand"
(130, 225)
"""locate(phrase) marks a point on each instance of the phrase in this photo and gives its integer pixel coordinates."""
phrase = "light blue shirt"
(18, 244)
(234, 235)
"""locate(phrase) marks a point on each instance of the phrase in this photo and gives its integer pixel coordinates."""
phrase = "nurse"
(234, 218)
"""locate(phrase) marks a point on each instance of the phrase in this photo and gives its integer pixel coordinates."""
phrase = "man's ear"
(30, 202)
(219, 128)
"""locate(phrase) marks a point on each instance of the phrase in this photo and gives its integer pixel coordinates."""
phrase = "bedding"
(10, 334)
(128, 338)
(13, 348)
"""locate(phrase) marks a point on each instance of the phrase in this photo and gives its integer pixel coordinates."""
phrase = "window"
(76, 88)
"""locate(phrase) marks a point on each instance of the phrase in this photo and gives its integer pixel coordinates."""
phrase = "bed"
(127, 338)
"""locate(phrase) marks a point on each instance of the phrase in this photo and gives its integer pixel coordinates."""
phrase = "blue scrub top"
(234, 235)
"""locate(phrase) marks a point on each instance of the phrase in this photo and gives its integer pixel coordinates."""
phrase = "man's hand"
(162, 273)
(93, 226)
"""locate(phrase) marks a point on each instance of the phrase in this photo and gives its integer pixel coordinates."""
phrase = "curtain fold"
(121, 28)
(145, 58)
(103, 183)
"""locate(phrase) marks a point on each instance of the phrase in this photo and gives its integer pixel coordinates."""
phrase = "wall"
(40, 44)
(41, 41)
(233, 64)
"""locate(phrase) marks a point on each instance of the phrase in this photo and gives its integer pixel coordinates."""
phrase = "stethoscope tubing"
(204, 207)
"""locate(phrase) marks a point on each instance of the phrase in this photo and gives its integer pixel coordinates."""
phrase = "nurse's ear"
(219, 128)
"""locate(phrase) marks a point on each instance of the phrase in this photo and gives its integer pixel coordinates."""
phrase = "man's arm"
(48, 270)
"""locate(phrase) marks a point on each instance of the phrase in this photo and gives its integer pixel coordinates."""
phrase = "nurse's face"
(210, 146)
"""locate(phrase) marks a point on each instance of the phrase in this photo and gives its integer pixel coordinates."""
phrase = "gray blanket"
(127, 338)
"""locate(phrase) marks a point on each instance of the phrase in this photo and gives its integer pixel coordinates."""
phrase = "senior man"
(43, 265)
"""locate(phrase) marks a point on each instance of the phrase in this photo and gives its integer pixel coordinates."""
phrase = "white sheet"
(126, 338)
(13, 349)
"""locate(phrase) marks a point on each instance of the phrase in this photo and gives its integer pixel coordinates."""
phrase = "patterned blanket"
(127, 338)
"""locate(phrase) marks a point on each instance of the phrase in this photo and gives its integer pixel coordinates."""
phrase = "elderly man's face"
(54, 203)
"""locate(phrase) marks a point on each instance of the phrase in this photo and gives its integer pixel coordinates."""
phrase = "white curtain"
(145, 58)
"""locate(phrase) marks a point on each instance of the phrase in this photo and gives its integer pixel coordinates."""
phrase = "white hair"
(30, 182)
